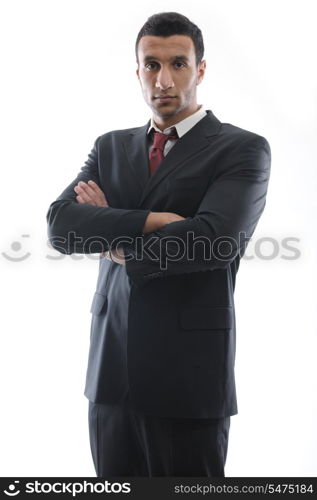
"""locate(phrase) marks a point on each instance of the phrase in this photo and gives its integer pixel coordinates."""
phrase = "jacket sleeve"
(221, 228)
(82, 228)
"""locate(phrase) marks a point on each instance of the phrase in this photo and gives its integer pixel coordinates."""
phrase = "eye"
(150, 66)
(179, 64)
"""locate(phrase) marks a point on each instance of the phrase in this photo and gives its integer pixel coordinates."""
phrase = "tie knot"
(160, 139)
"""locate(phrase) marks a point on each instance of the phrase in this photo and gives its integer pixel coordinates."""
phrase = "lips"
(165, 97)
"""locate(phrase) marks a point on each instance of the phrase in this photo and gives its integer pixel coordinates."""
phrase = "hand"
(169, 217)
(153, 222)
(156, 220)
(90, 193)
(116, 255)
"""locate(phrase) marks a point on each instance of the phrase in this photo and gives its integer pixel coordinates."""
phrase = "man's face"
(168, 75)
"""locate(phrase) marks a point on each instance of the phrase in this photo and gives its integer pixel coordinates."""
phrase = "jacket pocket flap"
(99, 303)
(206, 318)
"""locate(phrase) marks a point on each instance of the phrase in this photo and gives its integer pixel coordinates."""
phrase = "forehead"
(166, 47)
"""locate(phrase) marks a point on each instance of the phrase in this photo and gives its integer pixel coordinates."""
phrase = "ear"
(201, 71)
(137, 73)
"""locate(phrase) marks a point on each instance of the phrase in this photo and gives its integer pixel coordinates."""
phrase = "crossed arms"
(231, 206)
(91, 193)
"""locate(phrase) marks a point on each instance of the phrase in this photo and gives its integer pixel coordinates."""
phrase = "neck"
(163, 122)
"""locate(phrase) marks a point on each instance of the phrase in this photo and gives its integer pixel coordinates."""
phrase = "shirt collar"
(183, 126)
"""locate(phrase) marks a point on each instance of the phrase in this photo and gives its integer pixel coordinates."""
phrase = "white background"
(68, 75)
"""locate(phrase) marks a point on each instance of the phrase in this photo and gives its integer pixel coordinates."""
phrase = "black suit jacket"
(163, 326)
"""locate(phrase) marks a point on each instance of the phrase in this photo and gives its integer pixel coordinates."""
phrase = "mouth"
(164, 98)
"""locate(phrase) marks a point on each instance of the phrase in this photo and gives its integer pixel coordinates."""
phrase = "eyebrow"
(174, 58)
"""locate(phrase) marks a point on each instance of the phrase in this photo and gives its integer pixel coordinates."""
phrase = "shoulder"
(117, 135)
(244, 150)
(240, 138)
(232, 138)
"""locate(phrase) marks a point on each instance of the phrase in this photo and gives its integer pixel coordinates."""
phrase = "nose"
(164, 79)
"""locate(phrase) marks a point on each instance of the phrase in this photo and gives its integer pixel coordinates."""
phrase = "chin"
(165, 109)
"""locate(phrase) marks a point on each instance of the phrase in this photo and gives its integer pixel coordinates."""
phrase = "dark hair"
(171, 23)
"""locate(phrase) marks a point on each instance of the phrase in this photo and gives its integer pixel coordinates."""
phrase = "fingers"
(95, 187)
(80, 199)
(105, 255)
(90, 193)
(85, 191)
(117, 255)
(83, 196)
(98, 191)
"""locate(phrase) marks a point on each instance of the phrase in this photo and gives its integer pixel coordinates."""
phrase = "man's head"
(169, 51)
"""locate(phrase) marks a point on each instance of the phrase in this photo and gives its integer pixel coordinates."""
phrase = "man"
(171, 206)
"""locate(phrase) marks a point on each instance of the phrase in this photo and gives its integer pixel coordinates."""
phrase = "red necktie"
(157, 150)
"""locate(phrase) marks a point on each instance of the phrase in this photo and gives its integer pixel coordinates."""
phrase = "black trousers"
(127, 443)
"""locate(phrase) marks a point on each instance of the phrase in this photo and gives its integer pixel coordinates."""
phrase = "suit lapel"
(136, 148)
(196, 139)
